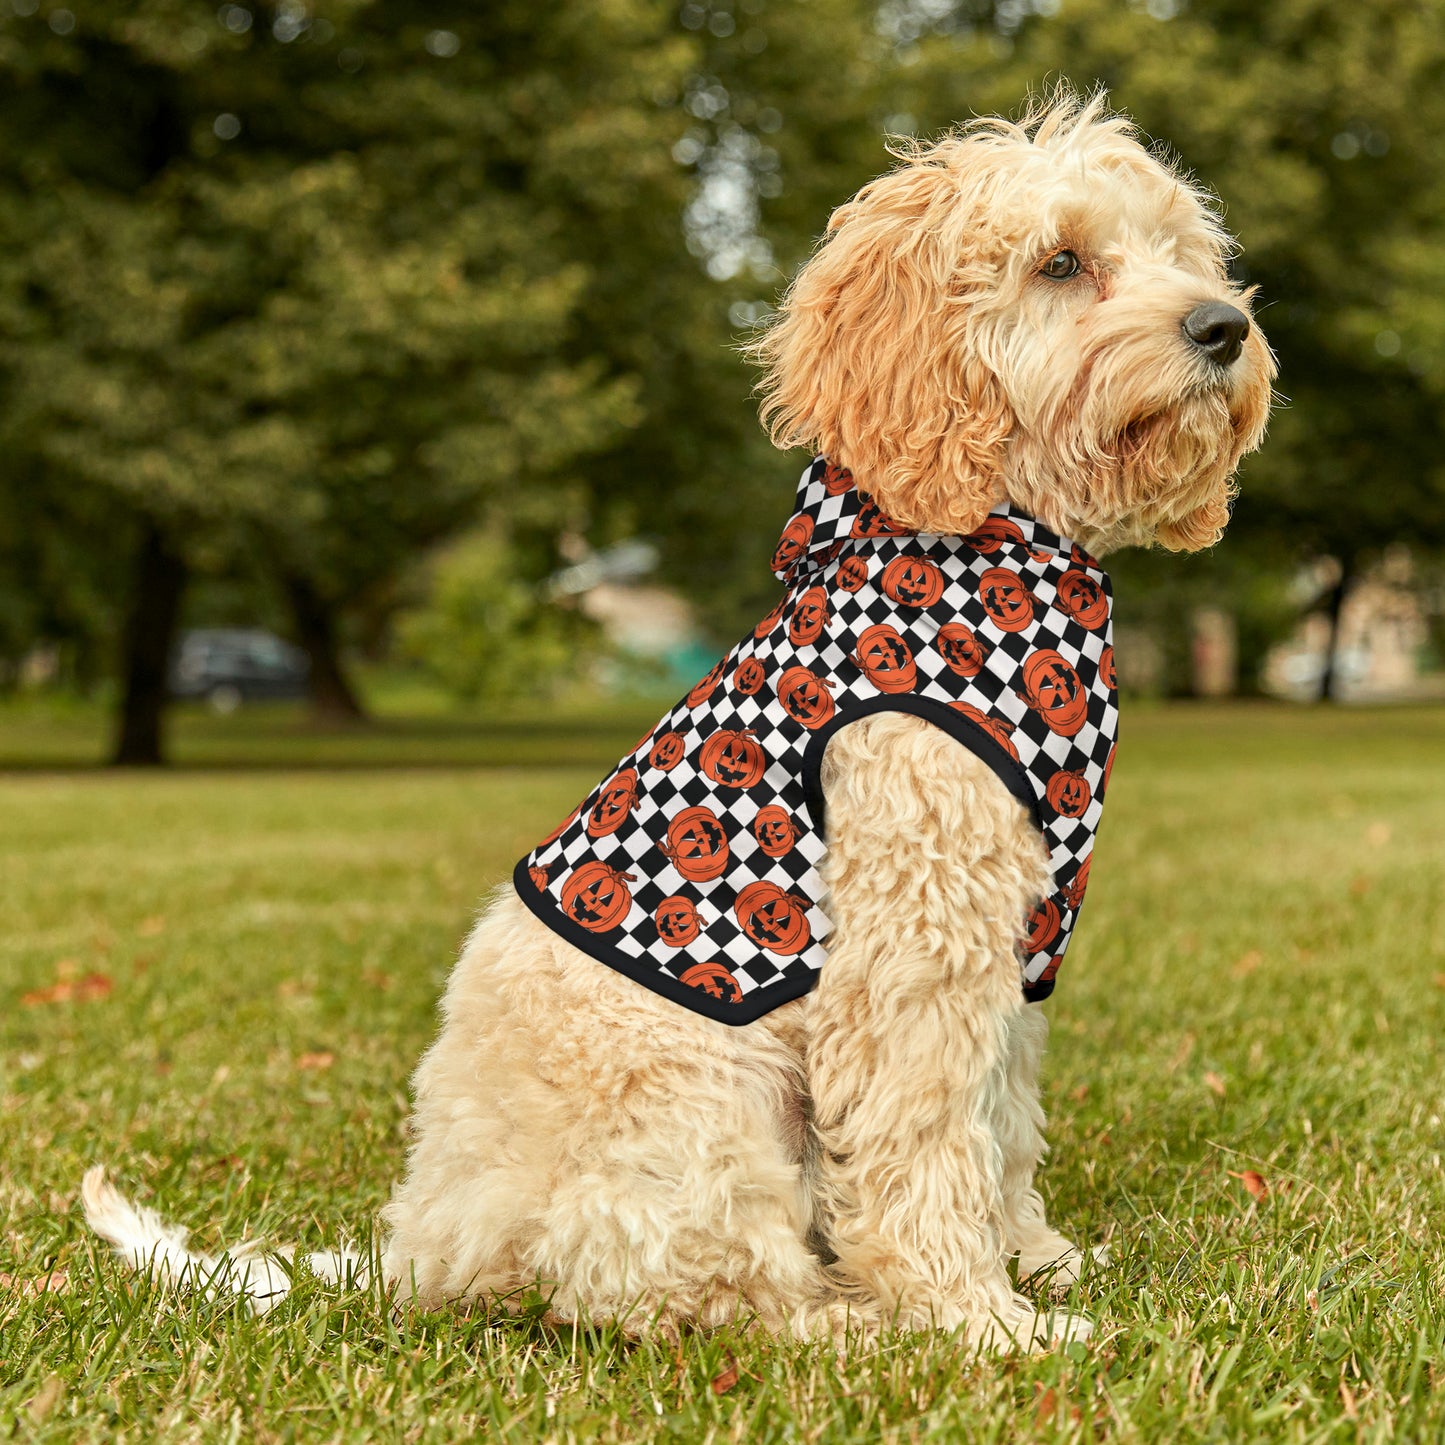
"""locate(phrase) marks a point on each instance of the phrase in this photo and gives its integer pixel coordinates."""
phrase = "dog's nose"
(1217, 330)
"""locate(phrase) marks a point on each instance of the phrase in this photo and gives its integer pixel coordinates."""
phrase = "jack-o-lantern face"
(1052, 688)
(1082, 598)
(539, 877)
(805, 697)
(1106, 669)
(773, 919)
(885, 659)
(809, 618)
(872, 522)
(1042, 926)
(1073, 892)
(1081, 558)
(770, 619)
(597, 897)
(1051, 972)
(667, 751)
(561, 827)
(961, 649)
(995, 532)
(793, 543)
(734, 759)
(999, 729)
(1009, 604)
(696, 844)
(749, 677)
(912, 581)
(836, 479)
(614, 803)
(714, 980)
(702, 690)
(677, 921)
(1069, 794)
(775, 830)
(852, 573)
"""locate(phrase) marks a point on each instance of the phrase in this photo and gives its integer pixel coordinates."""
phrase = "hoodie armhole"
(963, 730)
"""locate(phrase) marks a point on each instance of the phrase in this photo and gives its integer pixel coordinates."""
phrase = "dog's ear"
(872, 358)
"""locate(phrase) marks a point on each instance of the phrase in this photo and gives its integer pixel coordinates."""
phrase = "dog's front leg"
(932, 867)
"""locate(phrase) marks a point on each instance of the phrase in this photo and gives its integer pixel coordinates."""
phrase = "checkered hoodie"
(693, 867)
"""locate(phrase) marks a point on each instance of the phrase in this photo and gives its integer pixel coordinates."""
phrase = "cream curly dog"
(1037, 313)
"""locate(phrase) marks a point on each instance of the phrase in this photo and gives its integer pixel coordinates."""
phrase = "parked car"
(230, 665)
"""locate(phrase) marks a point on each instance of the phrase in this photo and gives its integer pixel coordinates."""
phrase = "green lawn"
(1258, 984)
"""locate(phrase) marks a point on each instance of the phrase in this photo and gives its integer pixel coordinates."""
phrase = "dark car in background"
(227, 666)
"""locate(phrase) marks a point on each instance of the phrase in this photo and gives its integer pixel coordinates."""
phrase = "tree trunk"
(333, 699)
(150, 630)
(1329, 678)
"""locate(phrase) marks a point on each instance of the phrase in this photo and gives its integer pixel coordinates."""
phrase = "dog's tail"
(147, 1243)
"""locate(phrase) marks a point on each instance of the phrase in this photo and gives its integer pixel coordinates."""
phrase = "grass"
(1257, 986)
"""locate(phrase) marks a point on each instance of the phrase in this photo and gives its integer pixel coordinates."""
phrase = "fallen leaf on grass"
(1044, 1409)
(66, 990)
(1247, 965)
(56, 1282)
(1214, 1083)
(1080, 1094)
(1255, 1184)
(321, 1059)
(1440, 980)
(376, 979)
(724, 1382)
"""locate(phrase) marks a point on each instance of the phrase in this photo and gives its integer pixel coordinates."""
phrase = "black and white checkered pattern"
(1002, 638)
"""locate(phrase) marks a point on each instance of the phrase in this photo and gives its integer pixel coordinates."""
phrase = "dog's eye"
(1060, 266)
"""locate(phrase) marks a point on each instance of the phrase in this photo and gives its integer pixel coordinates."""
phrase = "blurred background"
(372, 361)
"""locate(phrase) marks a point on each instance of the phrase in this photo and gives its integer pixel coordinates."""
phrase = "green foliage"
(483, 633)
(249, 918)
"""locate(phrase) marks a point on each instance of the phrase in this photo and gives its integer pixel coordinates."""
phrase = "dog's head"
(1036, 311)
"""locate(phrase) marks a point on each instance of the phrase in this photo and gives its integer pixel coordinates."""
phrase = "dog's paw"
(1023, 1326)
(1057, 1265)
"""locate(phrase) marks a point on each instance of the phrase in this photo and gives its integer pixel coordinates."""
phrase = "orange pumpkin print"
(872, 522)
(886, 660)
(733, 758)
(1009, 604)
(696, 844)
(1000, 730)
(1052, 688)
(1082, 598)
(749, 677)
(995, 532)
(677, 921)
(773, 919)
(1068, 794)
(912, 581)
(703, 688)
(805, 697)
(836, 479)
(714, 980)
(1106, 669)
(561, 827)
(1042, 926)
(770, 619)
(962, 650)
(775, 830)
(1108, 769)
(667, 752)
(852, 573)
(793, 543)
(596, 896)
(539, 878)
(616, 800)
(1073, 892)
(810, 617)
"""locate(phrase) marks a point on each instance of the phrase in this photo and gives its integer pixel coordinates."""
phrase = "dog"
(1022, 320)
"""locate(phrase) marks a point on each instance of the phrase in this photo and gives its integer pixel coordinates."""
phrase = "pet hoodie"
(693, 867)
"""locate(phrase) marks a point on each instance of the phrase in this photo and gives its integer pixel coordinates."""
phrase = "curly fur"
(864, 1155)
